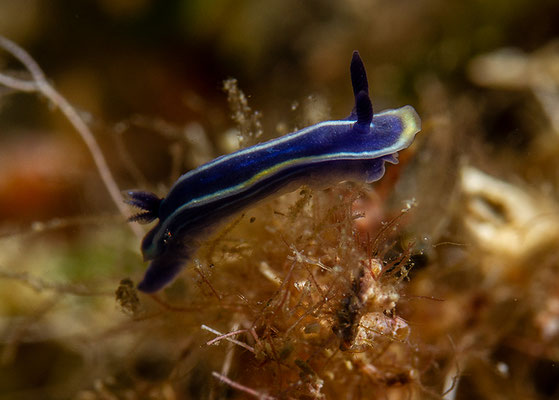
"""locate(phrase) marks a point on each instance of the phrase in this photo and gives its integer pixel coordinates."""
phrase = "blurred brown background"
(147, 77)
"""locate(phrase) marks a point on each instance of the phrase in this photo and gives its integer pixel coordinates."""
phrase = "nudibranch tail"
(411, 124)
(146, 201)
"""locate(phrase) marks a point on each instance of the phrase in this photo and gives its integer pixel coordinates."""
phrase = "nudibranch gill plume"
(329, 152)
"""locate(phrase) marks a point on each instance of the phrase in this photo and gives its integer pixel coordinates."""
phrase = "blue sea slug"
(329, 152)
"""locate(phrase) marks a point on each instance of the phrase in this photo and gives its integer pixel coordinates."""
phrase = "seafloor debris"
(507, 221)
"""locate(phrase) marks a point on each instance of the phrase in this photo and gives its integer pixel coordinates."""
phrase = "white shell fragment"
(506, 220)
(375, 326)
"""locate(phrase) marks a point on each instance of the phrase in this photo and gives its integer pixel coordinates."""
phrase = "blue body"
(320, 155)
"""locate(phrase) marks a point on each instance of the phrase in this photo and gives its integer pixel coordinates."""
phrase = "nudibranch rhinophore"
(329, 152)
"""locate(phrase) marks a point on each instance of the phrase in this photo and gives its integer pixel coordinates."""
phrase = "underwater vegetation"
(438, 281)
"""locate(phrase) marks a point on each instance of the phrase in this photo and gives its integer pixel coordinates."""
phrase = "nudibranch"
(329, 152)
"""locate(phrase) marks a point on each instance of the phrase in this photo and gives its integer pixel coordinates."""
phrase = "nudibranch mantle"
(320, 155)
